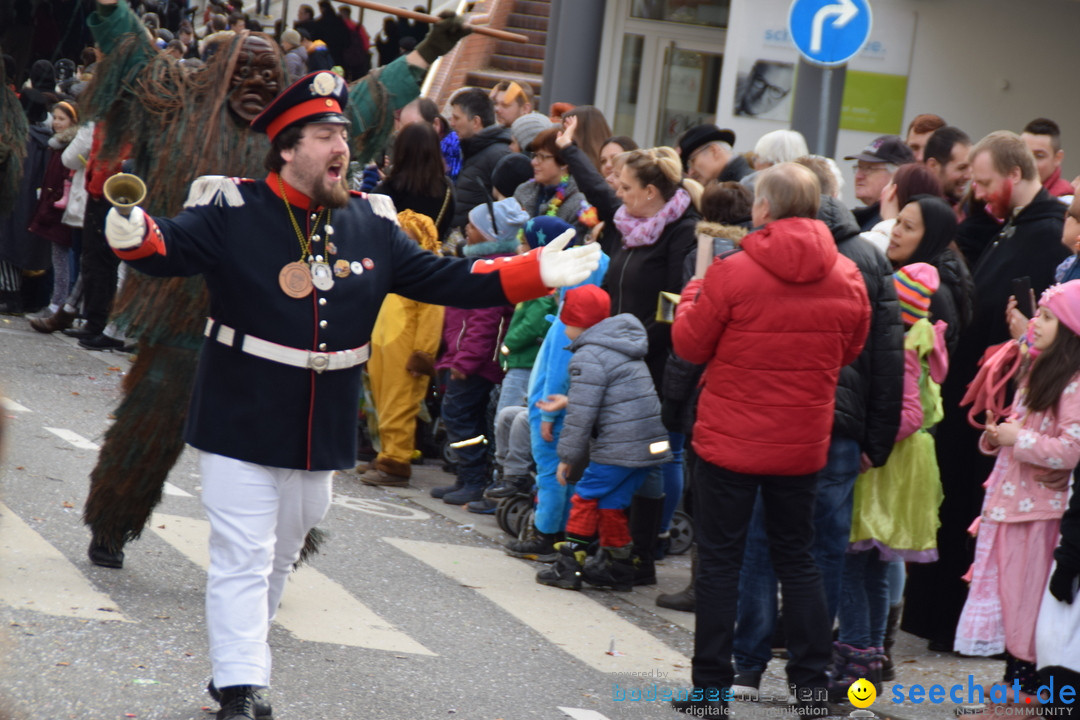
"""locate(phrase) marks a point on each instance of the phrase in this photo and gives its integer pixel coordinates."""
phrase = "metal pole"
(823, 116)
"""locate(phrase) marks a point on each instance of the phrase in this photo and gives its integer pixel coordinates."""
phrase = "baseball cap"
(886, 149)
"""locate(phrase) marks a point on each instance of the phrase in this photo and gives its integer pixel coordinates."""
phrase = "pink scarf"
(639, 232)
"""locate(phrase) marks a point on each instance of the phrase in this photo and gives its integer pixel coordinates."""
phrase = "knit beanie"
(1064, 301)
(915, 284)
(539, 231)
(291, 36)
(584, 306)
(508, 219)
(527, 127)
(511, 170)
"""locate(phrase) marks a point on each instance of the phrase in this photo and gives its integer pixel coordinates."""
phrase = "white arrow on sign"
(844, 12)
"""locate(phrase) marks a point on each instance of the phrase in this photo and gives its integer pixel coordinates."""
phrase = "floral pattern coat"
(1048, 446)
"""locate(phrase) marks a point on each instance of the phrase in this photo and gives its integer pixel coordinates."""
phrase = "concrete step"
(531, 66)
(540, 8)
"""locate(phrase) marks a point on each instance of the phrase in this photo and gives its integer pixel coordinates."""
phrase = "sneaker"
(566, 571)
(237, 703)
(263, 711)
(746, 684)
(510, 485)
(537, 546)
(101, 342)
(483, 506)
(604, 571)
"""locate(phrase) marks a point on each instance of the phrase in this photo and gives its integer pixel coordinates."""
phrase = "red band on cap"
(315, 106)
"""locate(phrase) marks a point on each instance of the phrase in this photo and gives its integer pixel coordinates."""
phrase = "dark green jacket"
(528, 327)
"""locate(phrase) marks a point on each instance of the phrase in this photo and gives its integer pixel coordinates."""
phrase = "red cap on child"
(585, 306)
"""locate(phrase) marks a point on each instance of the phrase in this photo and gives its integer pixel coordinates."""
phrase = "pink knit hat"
(915, 284)
(1064, 301)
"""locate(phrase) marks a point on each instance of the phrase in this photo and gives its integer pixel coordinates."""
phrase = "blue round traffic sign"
(829, 32)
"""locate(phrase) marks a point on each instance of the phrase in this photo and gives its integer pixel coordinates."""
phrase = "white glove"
(562, 268)
(124, 233)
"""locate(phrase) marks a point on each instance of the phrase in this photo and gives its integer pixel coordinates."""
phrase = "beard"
(334, 197)
(1000, 203)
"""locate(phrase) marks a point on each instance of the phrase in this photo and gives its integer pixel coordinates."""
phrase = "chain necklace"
(298, 278)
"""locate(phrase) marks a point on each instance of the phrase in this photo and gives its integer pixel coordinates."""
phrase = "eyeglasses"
(868, 168)
(542, 156)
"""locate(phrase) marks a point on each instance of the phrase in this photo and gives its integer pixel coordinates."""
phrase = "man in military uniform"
(297, 268)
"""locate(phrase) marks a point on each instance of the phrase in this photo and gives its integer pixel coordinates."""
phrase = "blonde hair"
(662, 168)
(1008, 151)
(791, 189)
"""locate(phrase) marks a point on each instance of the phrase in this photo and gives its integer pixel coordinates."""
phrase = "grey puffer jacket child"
(612, 397)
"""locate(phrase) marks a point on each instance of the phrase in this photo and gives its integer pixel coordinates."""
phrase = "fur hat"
(915, 285)
(585, 306)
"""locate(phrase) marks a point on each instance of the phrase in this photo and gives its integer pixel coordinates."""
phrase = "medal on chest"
(311, 271)
(295, 280)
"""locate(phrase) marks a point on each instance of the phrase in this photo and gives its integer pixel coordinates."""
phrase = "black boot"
(237, 703)
(11, 303)
(645, 516)
(565, 572)
(536, 546)
(263, 711)
(605, 570)
(888, 670)
(685, 599)
(100, 553)
(439, 492)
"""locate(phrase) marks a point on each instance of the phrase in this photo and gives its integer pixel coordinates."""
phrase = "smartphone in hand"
(1021, 290)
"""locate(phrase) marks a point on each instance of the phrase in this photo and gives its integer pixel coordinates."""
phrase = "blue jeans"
(514, 389)
(464, 413)
(673, 479)
(752, 648)
(864, 604)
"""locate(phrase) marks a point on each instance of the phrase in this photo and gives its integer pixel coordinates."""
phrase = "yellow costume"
(403, 347)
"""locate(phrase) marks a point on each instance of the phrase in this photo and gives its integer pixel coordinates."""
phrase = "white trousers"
(259, 517)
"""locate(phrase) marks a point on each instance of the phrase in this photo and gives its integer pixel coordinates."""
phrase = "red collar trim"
(292, 195)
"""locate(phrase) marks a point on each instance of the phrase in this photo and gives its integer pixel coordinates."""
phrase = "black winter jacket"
(870, 391)
(599, 194)
(479, 155)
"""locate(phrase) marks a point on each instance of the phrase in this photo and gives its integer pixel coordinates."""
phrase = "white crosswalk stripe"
(74, 438)
(580, 714)
(12, 406)
(314, 607)
(38, 577)
(574, 622)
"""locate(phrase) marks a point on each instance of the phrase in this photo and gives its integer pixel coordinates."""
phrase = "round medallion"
(341, 268)
(356, 267)
(323, 83)
(295, 280)
(369, 264)
(321, 276)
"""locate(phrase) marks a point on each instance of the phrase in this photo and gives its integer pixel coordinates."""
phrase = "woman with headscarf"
(923, 232)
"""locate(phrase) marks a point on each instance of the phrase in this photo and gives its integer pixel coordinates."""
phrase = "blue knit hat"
(508, 219)
(539, 231)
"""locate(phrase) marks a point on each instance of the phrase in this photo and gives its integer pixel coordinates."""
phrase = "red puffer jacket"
(775, 323)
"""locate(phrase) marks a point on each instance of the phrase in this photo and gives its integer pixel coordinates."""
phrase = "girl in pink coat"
(1037, 447)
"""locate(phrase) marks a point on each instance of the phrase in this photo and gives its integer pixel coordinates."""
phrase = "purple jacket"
(473, 338)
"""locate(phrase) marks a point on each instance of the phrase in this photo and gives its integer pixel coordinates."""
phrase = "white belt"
(317, 361)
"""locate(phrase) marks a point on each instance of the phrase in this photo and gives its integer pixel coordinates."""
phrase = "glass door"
(689, 92)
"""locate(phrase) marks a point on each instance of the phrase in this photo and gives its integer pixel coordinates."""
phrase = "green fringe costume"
(175, 124)
(14, 133)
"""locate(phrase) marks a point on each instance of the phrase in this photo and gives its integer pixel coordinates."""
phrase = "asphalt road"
(411, 610)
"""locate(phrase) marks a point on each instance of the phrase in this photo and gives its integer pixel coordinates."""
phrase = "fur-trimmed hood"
(734, 233)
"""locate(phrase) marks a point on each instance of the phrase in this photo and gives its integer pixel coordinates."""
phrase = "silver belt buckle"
(318, 361)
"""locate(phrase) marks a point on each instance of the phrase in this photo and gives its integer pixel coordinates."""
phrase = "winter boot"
(566, 571)
(237, 703)
(610, 568)
(468, 493)
(685, 599)
(441, 491)
(536, 545)
(851, 664)
(510, 485)
(888, 670)
(387, 473)
(645, 516)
